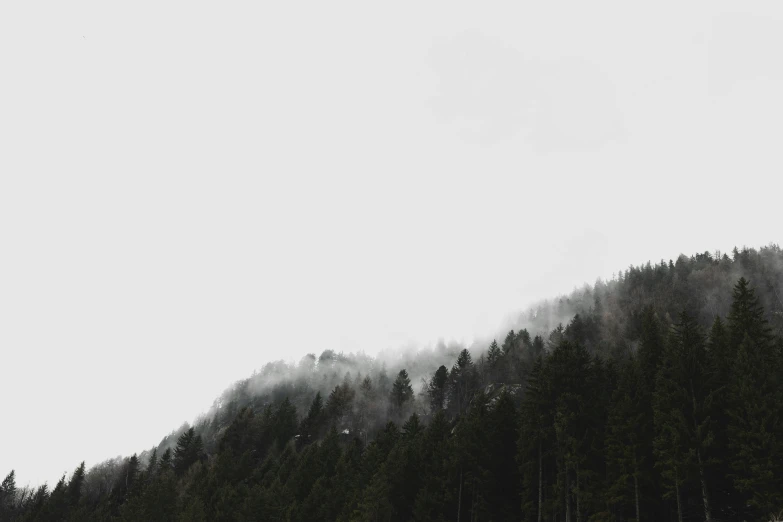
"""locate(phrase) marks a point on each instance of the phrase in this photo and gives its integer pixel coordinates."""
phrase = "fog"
(190, 192)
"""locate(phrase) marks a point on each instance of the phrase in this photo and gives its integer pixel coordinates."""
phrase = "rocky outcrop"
(494, 391)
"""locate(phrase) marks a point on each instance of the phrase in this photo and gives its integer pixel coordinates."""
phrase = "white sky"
(190, 189)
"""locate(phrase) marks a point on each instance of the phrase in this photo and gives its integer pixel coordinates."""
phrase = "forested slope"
(654, 396)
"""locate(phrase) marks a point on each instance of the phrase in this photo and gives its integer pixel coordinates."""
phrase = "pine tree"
(8, 496)
(728, 501)
(436, 389)
(152, 465)
(57, 504)
(534, 441)
(502, 478)
(310, 427)
(538, 346)
(556, 337)
(412, 427)
(747, 317)
(509, 342)
(74, 490)
(493, 360)
(340, 403)
(382, 383)
(37, 503)
(683, 405)
(462, 383)
(401, 392)
(670, 443)
(284, 423)
(365, 406)
(432, 497)
(755, 409)
(189, 450)
(166, 461)
(626, 447)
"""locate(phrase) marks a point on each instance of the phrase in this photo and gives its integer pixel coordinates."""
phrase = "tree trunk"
(677, 488)
(459, 497)
(704, 496)
(578, 508)
(473, 502)
(636, 493)
(540, 481)
(567, 497)
(636, 487)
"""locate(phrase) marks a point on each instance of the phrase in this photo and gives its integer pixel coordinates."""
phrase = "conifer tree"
(755, 425)
(462, 382)
(402, 392)
(502, 477)
(166, 461)
(721, 361)
(74, 490)
(534, 439)
(311, 424)
(493, 360)
(538, 346)
(436, 389)
(340, 403)
(683, 401)
(747, 317)
(365, 405)
(509, 342)
(188, 451)
(625, 443)
(284, 422)
(8, 496)
(152, 464)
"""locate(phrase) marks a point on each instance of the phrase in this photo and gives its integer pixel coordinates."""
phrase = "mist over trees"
(653, 396)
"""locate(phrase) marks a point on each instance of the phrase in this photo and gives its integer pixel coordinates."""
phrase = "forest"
(654, 396)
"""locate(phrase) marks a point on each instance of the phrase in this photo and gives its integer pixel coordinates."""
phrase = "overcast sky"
(191, 189)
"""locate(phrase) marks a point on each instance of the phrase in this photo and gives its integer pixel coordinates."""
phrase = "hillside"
(652, 396)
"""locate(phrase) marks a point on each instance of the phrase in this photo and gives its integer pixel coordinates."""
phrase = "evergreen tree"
(755, 424)
(311, 424)
(747, 317)
(365, 406)
(462, 383)
(509, 342)
(534, 442)
(188, 451)
(436, 389)
(166, 461)
(432, 498)
(402, 392)
(493, 360)
(340, 402)
(626, 444)
(538, 346)
(683, 400)
(8, 496)
(502, 478)
(729, 502)
(152, 464)
(284, 423)
(74, 489)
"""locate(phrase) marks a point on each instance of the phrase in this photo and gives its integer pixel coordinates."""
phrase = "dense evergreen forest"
(655, 396)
